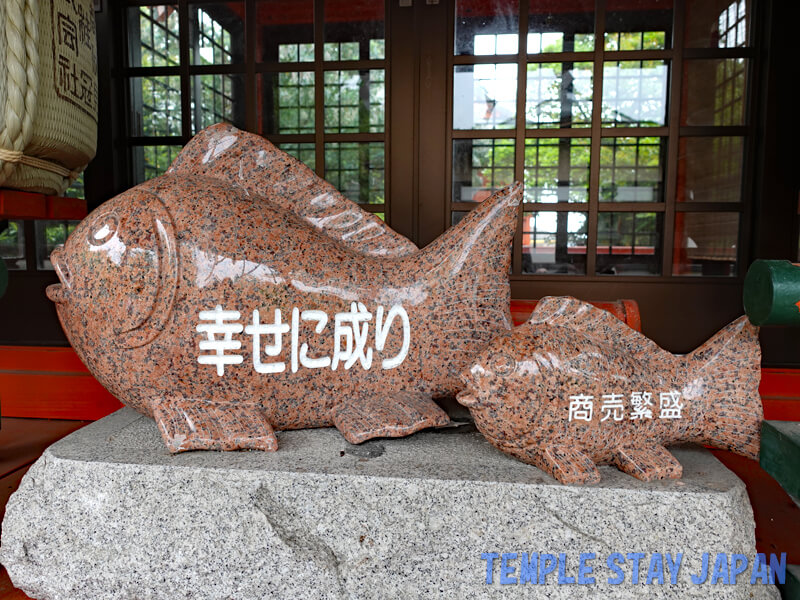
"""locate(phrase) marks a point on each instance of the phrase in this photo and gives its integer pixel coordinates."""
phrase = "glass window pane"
(342, 50)
(629, 243)
(305, 153)
(557, 169)
(456, 216)
(76, 188)
(635, 93)
(705, 244)
(632, 169)
(554, 242)
(357, 170)
(638, 25)
(152, 161)
(216, 33)
(377, 51)
(155, 106)
(50, 235)
(288, 53)
(353, 30)
(355, 101)
(284, 31)
(487, 28)
(718, 23)
(559, 95)
(635, 40)
(12, 245)
(153, 36)
(217, 98)
(710, 169)
(715, 93)
(480, 167)
(560, 26)
(485, 96)
(285, 102)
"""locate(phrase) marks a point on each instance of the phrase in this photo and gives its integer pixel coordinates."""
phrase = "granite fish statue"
(239, 294)
(575, 387)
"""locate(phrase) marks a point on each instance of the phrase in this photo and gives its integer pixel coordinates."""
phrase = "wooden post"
(3, 276)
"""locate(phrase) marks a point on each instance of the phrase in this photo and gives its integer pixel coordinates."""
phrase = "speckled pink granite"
(569, 389)
(263, 172)
(160, 287)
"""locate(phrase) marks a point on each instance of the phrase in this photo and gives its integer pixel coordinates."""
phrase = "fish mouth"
(477, 392)
(59, 292)
(467, 398)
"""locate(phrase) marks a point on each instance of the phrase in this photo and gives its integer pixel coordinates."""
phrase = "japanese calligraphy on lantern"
(611, 407)
(268, 333)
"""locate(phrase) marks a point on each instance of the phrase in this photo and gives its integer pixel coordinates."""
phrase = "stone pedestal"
(108, 513)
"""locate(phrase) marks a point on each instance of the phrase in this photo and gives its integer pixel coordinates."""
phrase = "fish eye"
(104, 230)
(502, 364)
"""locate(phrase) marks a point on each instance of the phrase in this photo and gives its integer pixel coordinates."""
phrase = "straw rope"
(32, 67)
(21, 81)
(2, 66)
(17, 157)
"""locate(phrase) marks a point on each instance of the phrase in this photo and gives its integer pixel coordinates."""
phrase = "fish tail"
(466, 270)
(728, 368)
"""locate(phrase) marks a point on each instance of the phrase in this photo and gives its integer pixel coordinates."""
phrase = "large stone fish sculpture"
(239, 294)
(575, 386)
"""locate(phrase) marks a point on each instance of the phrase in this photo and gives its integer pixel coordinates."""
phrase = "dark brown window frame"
(675, 54)
(250, 68)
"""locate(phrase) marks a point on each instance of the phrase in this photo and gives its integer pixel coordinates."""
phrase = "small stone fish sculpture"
(575, 387)
(239, 294)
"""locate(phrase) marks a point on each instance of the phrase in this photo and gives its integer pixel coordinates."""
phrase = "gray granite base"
(108, 513)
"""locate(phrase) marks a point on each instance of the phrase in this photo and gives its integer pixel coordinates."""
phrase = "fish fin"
(566, 311)
(466, 269)
(647, 462)
(189, 424)
(565, 462)
(726, 372)
(361, 418)
(257, 166)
